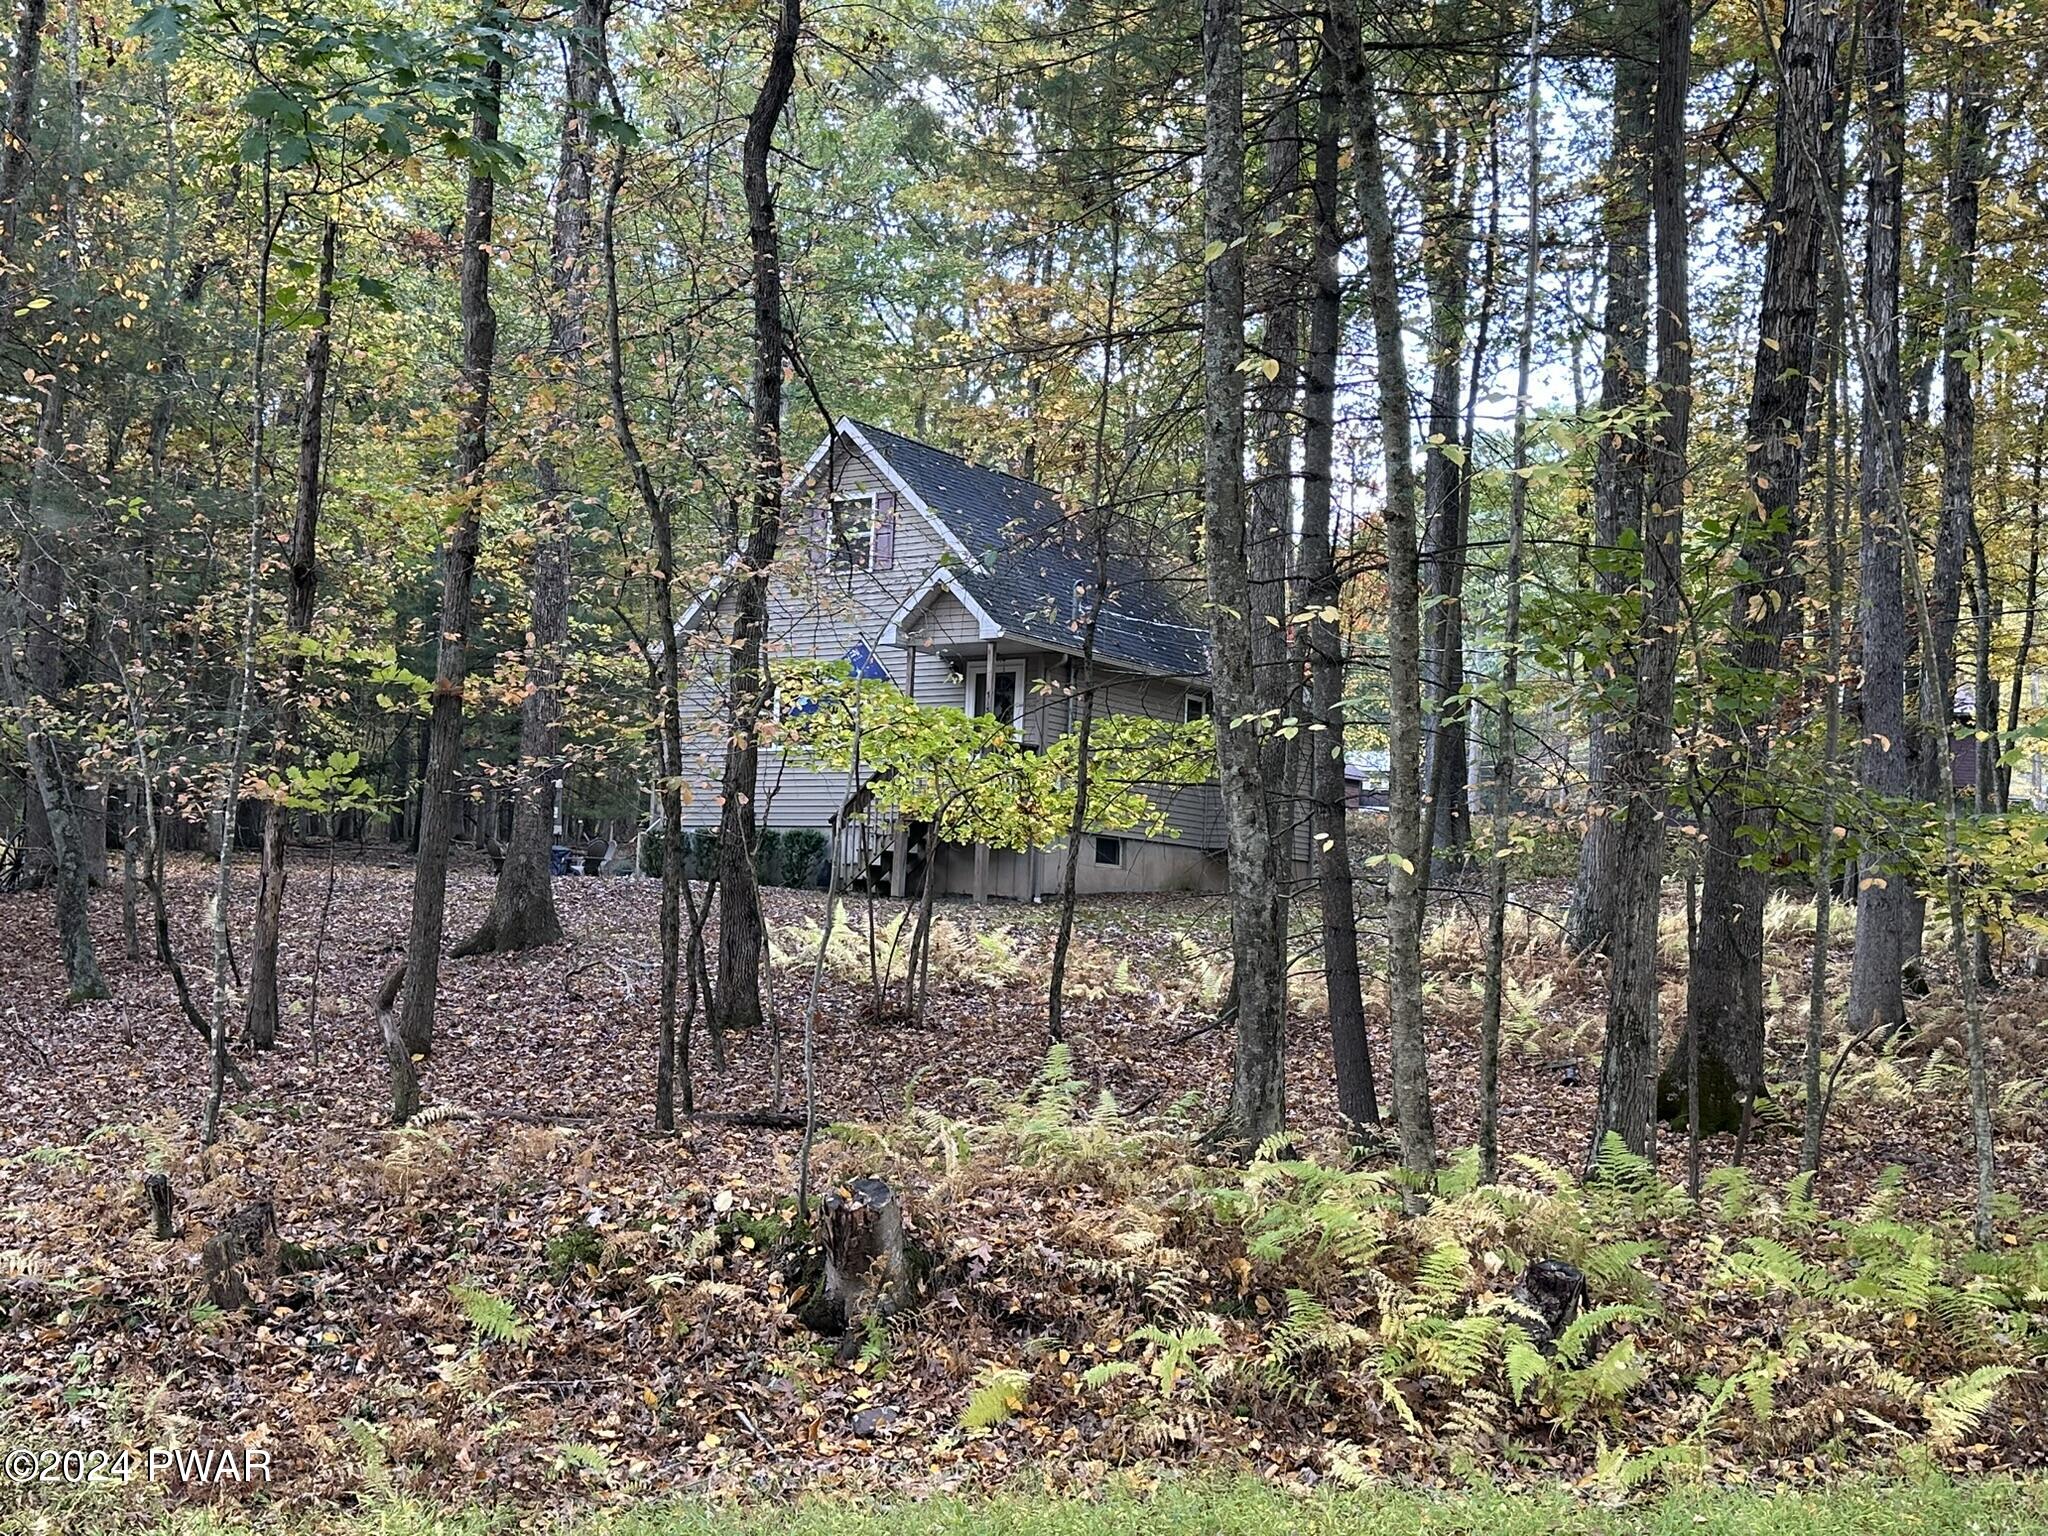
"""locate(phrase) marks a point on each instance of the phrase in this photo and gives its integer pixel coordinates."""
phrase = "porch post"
(899, 854)
(988, 707)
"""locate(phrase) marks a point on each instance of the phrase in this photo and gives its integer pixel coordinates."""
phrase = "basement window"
(1110, 851)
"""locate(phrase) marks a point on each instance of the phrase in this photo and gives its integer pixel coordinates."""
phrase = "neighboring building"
(966, 587)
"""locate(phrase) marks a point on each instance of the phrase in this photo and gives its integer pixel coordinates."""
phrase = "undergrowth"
(1756, 1326)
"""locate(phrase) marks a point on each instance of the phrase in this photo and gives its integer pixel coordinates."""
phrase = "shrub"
(803, 849)
(768, 857)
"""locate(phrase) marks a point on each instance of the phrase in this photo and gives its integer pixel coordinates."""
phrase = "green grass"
(1934, 1505)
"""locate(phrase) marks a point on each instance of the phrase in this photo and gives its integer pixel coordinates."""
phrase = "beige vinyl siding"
(814, 610)
(947, 621)
(818, 611)
(1195, 813)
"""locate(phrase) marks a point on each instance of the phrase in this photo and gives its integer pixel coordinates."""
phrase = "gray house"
(963, 586)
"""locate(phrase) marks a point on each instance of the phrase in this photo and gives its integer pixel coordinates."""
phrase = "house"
(968, 587)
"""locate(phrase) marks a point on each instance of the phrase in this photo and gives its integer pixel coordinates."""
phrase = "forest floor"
(635, 1332)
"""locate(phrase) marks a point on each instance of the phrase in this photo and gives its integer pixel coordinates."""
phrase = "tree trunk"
(1824, 864)
(1884, 898)
(1961, 338)
(260, 1021)
(1725, 997)
(1407, 893)
(1618, 479)
(1258, 1097)
(740, 938)
(1640, 770)
(1358, 1109)
(1083, 673)
(15, 144)
(523, 914)
(2023, 653)
(673, 1060)
(1504, 746)
(1270, 503)
(1447, 268)
(34, 615)
(415, 1021)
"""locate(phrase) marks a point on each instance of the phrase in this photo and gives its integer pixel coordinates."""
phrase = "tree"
(523, 914)
(1447, 175)
(260, 1018)
(1407, 890)
(1640, 768)
(739, 897)
(33, 605)
(1504, 771)
(1258, 1098)
(1725, 998)
(1618, 472)
(1322, 591)
(1884, 896)
(415, 1019)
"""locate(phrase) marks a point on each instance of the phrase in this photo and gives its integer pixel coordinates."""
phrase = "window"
(1196, 706)
(852, 529)
(1009, 692)
(1110, 851)
(858, 533)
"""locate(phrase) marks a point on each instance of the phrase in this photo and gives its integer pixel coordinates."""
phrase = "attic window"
(860, 532)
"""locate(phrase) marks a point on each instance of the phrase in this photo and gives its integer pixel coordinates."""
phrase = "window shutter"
(818, 530)
(885, 534)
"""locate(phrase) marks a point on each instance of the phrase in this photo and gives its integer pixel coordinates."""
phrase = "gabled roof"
(1028, 569)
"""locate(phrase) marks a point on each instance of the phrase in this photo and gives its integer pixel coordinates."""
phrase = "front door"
(1009, 693)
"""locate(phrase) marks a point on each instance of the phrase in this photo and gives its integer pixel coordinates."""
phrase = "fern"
(1003, 1392)
(1955, 1407)
(1573, 1343)
(1618, 1265)
(1097, 1377)
(1298, 1332)
(1617, 1167)
(491, 1317)
(874, 1345)
(1176, 1352)
(1441, 1277)
(1525, 1363)
(577, 1456)
(1734, 1192)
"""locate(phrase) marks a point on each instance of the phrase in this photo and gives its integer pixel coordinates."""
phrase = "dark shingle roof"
(1033, 561)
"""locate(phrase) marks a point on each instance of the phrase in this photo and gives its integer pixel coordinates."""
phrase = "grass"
(1236, 1507)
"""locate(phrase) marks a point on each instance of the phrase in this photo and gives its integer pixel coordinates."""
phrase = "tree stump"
(245, 1246)
(1549, 1296)
(156, 1188)
(405, 1078)
(867, 1265)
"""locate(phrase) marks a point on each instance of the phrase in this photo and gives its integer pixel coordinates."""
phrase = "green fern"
(1003, 1391)
(1298, 1332)
(1097, 1377)
(1618, 1265)
(1733, 1189)
(1955, 1407)
(491, 1317)
(577, 1456)
(1525, 1363)
(1176, 1352)
(874, 1344)
(1617, 1167)
(1442, 1276)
